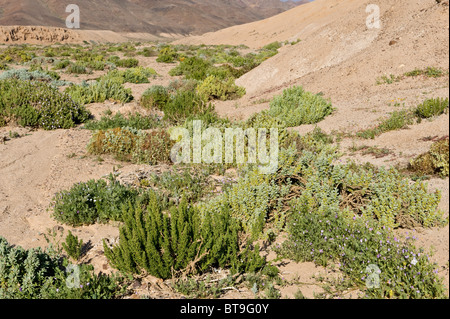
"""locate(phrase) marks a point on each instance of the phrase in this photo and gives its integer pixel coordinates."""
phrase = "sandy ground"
(337, 56)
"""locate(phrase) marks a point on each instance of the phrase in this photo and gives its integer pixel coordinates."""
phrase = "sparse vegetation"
(432, 107)
(433, 162)
(295, 107)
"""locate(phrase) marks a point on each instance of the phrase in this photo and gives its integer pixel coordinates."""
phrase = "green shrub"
(356, 246)
(432, 107)
(37, 274)
(162, 244)
(182, 85)
(184, 104)
(190, 184)
(295, 107)
(431, 72)
(73, 246)
(215, 88)
(397, 120)
(96, 65)
(167, 55)
(435, 161)
(61, 64)
(126, 63)
(91, 202)
(37, 104)
(132, 75)
(136, 121)
(155, 97)
(192, 68)
(99, 91)
(77, 68)
(153, 148)
(129, 144)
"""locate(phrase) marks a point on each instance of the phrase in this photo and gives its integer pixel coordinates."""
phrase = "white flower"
(414, 261)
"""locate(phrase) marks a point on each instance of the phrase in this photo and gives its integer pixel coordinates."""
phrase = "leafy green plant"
(92, 201)
(129, 144)
(155, 97)
(429, 72)
(190, 184)
(35, 274)
(37, 104)
(357, 245)
(388, 79)
(184, 104)
(397, 120)
(167, 55)
(181, 241)
(73, 246)
(132, 75)
(77, 68)
(99, 91)
(432, 107)
(192, 68)
(295, 107)
(127, 63)
(215, 88)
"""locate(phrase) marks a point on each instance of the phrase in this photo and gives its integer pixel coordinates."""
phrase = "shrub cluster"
(37, 274)
(181, 240)
(99, 91)
(129, 144)
(92, 201)
(132, 75)
(432, 107)
(214, 88)
(295, 107)
(368, 254)
(37, 104)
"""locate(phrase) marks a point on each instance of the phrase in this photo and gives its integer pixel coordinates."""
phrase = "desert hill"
(336, 43)
(155, 16)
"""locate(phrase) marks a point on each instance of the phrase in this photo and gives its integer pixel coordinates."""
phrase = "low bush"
(155, 97)
(77, 68)
(126, 63)
(99, 91)
(129, 144)
(397, 120)
(432, 107)
(183, 105)
(73, 246)
(215, 88)
(180, 241)
(93, 201)
(61, 64)
(360, 247)
(295, 107)
(38, 274)
(133, 75)
(433, 162)
(167, 55)
(190, 184)
(192, 68)
(37, 104)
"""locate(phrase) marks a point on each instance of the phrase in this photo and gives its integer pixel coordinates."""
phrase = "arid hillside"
(354, 157)
(156, 17)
